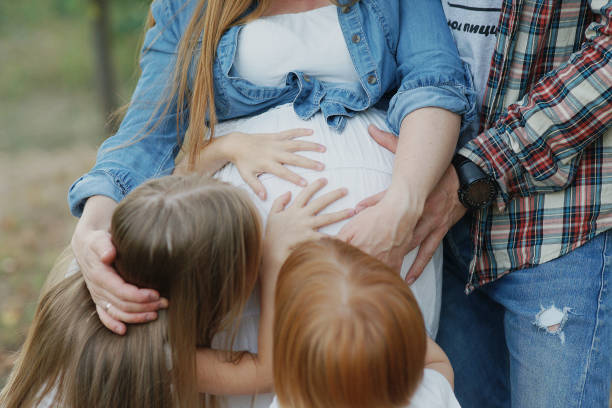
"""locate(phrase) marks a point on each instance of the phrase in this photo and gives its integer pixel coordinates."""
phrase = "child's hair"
(348, 331)
(198, 242)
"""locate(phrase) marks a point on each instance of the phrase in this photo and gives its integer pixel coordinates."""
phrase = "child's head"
(348, 331)
(195, 240)
(198, 242)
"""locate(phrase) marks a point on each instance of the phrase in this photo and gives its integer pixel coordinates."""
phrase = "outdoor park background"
(52, 118)
(54, 101)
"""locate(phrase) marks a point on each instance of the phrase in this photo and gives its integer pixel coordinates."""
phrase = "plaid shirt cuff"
(491, 151)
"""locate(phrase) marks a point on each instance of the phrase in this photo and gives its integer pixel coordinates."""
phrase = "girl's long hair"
(213, 18)
(348, 331)
(198, 242)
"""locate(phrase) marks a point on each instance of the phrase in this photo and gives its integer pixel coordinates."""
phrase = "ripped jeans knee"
(552, 319)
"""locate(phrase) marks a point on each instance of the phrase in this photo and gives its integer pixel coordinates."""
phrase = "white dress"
(352, 159)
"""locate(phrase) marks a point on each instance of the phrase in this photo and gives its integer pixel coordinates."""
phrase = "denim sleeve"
(430, 70)
(147, 140)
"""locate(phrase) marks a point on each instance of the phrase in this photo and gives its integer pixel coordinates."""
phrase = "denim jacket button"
(346, 9)
(372, 79)
(356, 38)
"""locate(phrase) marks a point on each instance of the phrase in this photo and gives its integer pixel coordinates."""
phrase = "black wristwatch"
(476, 189)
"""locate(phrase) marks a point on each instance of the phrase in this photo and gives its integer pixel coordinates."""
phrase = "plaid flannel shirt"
(545, 137)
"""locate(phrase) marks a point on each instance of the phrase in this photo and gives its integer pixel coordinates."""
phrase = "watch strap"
(467, 171)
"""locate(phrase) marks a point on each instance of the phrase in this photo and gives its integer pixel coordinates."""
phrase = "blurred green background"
(52, 118)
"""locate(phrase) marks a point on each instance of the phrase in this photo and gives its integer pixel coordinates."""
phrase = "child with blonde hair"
(197, 241)
(348, 333)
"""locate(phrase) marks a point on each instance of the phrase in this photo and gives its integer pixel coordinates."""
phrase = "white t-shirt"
(434, 392)
(474, 27)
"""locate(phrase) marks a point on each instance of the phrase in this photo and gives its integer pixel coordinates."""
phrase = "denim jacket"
(401, 49)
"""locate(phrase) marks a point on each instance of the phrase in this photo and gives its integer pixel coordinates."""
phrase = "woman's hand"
(300, 221)
(255, 154)
(116, 301)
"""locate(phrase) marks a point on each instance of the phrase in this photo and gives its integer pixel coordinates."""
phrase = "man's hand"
(442, 210)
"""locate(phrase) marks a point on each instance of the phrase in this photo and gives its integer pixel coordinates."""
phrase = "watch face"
(479, 192)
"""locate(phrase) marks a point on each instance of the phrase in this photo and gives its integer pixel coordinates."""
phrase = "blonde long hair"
(198, 242)
(214, 18)
(348, 331)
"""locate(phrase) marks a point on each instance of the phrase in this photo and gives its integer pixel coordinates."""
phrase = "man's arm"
(536, 146)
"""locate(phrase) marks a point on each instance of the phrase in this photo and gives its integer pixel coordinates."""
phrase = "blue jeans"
(538, 337)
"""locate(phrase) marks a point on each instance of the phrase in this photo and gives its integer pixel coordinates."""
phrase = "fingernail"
(163, 304)
(119, 330)
(320, 166)
(303, 183)
(153, 297)
(344, 190)
(261, 195)
(410, 281)
(321, 148)
(151, 316)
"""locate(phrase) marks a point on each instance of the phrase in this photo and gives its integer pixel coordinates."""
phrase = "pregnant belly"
(352, 159)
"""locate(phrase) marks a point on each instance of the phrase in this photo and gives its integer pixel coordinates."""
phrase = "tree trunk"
(105, 77)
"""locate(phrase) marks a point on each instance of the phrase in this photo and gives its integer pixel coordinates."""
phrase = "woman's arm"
(287, 227)
(441, 211)
(427, 140)
(144, 147)
(425, 148)
(148, 138)
(435, 90)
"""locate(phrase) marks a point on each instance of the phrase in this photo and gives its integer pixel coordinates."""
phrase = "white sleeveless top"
(310, 42)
